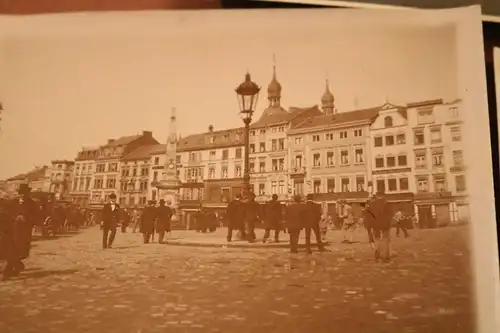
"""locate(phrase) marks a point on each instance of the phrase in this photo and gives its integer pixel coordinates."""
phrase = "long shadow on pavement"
(39, 273)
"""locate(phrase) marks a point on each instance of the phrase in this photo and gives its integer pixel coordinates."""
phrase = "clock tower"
(169, 186)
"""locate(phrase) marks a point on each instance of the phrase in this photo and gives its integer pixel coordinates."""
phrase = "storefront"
(433, 209)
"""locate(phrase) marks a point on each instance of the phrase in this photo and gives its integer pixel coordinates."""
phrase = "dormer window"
(212, 139)
(388, 121)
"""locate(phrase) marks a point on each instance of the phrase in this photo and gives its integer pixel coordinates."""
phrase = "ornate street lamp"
(248, 94)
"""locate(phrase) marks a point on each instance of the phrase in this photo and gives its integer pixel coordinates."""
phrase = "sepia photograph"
(246, 171)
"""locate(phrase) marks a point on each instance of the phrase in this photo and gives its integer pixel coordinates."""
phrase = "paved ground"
(74, 286)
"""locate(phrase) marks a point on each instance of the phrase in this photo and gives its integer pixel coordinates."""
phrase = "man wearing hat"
(272, 218)
(253, 215)
(295, 218)
(312, 212)
(148, 219)
(111, 215)
(381, 215)
(164, 214)
(349, 223)
(235, 214)
(21, 217)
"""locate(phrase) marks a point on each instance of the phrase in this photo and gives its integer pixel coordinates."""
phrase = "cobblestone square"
(72, 285)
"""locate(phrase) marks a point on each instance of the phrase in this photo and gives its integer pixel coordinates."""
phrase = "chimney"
(147, 133)
(211, 128)
(110, 141)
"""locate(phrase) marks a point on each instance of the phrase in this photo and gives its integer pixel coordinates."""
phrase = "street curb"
(284, 245)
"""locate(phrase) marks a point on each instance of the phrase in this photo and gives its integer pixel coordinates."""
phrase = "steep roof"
(425, 103)
(212, 140)
(281, 117)
(143, 153)
(124, 140)
(338, 118)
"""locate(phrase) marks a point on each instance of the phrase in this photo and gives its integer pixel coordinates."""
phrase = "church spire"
(328, 101)
(274, 88)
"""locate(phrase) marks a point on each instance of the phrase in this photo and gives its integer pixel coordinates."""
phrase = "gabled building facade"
(61, 177)
(83, 175)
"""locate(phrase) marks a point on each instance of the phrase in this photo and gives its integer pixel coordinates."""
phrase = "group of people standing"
(153, 219)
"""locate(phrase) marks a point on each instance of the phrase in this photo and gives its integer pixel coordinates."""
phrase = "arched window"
(388, 121)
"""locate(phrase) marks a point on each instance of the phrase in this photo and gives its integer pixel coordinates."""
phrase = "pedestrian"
(312, 215)
(273, 217)
(295, 222)
(136, 220)
(349, 223)
(253, 215)
(368, 222)
(111, 216)
(164, 215)
(148, 220)
(401, 222)
(235, 214)
(380, 210)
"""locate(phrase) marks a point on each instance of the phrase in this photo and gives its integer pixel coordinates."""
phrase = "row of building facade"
(413, 152)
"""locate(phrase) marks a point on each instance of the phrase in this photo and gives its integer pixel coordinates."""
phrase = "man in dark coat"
(164, 214)
(252, 216)
(381, 215)
(295, 222)
(199, 220)
(368, 222)
(111, 216)
(272, 218)
(235, 215)
(148, 220)
(312, 215)
(20, 217)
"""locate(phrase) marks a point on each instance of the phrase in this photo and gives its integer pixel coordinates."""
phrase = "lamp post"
(248, 94)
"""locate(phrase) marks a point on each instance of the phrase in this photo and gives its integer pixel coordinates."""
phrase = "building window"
(274, 187)
(436, 135)
(262, 147)
(298, 187)
(281, 164)
(345, 184)
(454, 112)
(212, 139)
(252, 133)
(315, 138)
(344, 157)
(281, 187)
(224, 173)
(379, 162)
(456, 134)
(75, 184)
(380, 185)
(298, 141)
(238, 153)
(388, 122)
(225, 154)
(157, 160)
(425, 116)
(143, 186)
(251, 166)
(281, 144)
(316, 160)
(400, 139)
(144, 172)
(178, 159)
(274, 165)
(237, 171)
(262, 166)
(360, 183)
(422, 185)
(262, 131)
(252, 148)
(98, 183)
(262, 189)
(460, 183)
(212, 155)
(439, 184)
(343, 135)
(211, 172)
(330, 185)
(358, 132)
(100, 167)
(329, 136)
(419, 138)
(274, 144)
(457, 158)
(358, 155)
(420, 160)
(112, 167)
(392, 184)
(317, 186)
(298, 162)
(377, 141)
(402, 160)
(329, 158)
(437, 159)
(403, 184)
(391, 161)
(389, 140)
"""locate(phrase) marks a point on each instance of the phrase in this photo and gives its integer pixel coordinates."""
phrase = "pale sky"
(62, 90)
